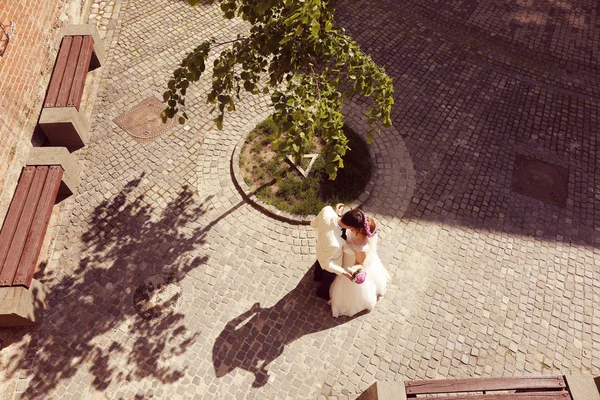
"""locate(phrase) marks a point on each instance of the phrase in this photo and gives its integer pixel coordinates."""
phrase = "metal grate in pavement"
(540, 180)
(143, 122)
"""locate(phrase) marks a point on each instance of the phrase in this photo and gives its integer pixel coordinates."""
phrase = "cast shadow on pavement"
(466, 131)
(257, 337)
(91, 321)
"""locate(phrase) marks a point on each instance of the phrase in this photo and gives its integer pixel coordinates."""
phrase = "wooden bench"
(568, 387)
(24, 229)
(525, 388)
(26, 222)
(61, 120)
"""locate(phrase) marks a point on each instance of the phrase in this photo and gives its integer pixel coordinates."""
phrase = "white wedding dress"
(349, 298)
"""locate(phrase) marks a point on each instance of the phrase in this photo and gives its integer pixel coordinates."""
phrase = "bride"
(349, 297)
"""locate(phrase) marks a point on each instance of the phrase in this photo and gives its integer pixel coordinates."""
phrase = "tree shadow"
(257, 337)
(465, 121)
(91, 320)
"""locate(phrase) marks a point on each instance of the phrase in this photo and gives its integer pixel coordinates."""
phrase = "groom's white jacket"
(329, 240)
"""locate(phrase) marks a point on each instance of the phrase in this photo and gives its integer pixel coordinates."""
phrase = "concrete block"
(20, 306)
(58, 156)
(582, 387)
(384, 391)
(370, 393)
(85, 29)
(65, 126)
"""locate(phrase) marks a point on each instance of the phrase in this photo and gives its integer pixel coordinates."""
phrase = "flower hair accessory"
(367, 228)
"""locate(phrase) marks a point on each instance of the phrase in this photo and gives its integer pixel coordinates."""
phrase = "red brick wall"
(23, 68)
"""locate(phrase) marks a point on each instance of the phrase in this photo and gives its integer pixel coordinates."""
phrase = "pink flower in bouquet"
(359, 276)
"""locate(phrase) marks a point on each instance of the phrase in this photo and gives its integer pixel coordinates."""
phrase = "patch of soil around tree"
(293, 192)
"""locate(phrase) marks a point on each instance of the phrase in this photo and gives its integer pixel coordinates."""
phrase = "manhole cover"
(159, 294)
(540, 180)
(143, 121)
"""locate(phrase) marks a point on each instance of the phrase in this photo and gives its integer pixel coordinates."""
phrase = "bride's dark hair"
(354, 218)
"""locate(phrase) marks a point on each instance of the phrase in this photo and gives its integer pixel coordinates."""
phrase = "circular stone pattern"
(157, 295)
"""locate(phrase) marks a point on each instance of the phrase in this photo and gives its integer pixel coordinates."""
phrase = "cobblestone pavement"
(486, 282)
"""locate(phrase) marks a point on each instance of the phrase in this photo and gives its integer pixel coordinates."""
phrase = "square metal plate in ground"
(143, 121)
(540, 180)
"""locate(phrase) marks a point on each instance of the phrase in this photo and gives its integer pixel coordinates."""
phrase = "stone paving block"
(486, 282)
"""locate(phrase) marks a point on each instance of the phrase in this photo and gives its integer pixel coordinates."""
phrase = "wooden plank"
(38, 228)
(13, 215)
(554, 395)
(483, 384)
(58, 72)
(67, 82)
(16, 247)
(83, 65)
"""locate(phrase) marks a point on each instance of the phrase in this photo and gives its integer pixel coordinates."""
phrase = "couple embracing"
(351, 273)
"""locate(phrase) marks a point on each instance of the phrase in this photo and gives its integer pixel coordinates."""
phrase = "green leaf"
(331, 168)
(219, 122)
(369, 137)
(249, 86)
(315, 27)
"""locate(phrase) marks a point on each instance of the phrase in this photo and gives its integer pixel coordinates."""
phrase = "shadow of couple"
(257, 337)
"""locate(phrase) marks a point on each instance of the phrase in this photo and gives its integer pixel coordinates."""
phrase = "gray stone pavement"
(486, 282)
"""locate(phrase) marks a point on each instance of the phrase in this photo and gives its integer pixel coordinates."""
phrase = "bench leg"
(65, 126)
(583, 387)
(20, 306)
(57, 156)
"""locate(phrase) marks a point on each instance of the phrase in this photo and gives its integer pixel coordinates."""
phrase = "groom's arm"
(335, 266)
(325, 218)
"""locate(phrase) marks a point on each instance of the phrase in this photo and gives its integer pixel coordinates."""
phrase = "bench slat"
(83, 65)
(483, 384)
(14, 212)
(67, 82)
(59, 72)
(16, 247)
(555, 395)
(37, 232)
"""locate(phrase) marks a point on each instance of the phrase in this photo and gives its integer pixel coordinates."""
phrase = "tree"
(296, 52)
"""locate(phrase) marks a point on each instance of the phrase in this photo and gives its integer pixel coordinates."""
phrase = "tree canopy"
(295, 51)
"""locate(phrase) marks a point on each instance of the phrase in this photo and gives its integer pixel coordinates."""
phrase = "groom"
(331, 236)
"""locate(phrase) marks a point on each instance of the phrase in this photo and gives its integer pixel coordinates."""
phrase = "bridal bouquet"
(359, 276)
